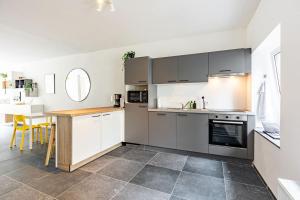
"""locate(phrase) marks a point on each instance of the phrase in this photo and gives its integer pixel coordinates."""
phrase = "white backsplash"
(220, 93)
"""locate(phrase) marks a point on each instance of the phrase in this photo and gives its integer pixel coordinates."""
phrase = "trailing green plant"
(128, 55)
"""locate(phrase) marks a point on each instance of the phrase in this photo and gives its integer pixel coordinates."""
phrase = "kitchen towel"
(261, 102)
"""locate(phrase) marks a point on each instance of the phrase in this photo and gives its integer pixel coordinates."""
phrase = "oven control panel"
(231, 117)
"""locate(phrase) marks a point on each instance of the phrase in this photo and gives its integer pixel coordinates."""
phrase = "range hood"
(227, 74)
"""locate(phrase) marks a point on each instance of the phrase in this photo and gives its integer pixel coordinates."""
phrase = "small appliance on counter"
(117, 100)
(137, 96)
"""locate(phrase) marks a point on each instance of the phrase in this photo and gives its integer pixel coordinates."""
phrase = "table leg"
(30, 133)
(56, 155)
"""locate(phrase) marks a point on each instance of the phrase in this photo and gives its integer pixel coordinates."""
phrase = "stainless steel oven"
(228, 130)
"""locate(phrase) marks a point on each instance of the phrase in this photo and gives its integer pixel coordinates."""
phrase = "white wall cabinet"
(95, 133)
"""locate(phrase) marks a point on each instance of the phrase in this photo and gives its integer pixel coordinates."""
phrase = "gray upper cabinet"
(136, 123)
(193, 68)
(164, 70)
(162, 129)
(192, 132)
(229, 62)
(137, 71)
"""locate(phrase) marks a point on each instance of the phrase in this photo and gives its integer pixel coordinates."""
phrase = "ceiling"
(75, 26)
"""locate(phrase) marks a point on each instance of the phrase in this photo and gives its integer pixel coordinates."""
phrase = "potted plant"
(4, 82)
(128, 55)
(28, 87)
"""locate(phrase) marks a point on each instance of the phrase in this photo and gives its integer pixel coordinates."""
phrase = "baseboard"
(88, 160)
(270, 191)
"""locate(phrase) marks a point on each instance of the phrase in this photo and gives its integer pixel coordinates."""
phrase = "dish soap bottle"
(194, 105)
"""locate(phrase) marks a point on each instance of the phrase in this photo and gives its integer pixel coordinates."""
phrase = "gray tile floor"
(131, 172)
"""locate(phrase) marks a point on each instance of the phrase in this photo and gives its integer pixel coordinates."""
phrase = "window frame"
(275, 67)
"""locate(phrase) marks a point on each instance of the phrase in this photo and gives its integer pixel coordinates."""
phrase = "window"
(276, 60)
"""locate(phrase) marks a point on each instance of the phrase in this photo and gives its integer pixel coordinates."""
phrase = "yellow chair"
(20, 125)
(45, 125)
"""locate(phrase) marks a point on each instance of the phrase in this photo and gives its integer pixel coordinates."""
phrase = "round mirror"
(78, 84)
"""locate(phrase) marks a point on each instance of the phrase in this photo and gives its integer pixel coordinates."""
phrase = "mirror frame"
(89, 81)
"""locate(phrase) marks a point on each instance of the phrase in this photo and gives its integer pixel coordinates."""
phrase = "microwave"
(137, 96)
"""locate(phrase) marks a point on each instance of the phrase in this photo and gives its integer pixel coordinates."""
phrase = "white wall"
(262, 64)
(105, 67)
(220, 93)
(266, 161)
(270, 13)
(290, 109)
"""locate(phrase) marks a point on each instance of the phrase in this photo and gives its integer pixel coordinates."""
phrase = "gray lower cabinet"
(229, 61)
(193, 68)
(164, 70)
(192, 132)
(136, 123)
(137, 70)
(162, 129)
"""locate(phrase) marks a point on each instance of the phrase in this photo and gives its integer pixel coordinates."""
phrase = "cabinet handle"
(106, 114)
(182, 115)
(142, 81)
(96, 116)
(172, 81)
(184, 80)
(225, 70)
(161, 114)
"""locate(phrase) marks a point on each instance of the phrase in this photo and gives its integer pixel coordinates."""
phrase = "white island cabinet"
(95, 133)
(85, 135)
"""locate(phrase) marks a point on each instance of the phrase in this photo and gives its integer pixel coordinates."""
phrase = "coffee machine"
(117, 100)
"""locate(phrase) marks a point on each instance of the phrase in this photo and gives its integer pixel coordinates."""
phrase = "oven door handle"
(227, 122)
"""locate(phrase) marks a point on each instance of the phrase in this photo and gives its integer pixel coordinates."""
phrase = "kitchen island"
(85, 134)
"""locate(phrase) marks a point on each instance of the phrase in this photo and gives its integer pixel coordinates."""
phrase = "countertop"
(276, 142)
(85, 111)
(179, 110)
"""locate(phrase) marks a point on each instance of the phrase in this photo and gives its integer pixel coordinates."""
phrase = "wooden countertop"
(85, 111)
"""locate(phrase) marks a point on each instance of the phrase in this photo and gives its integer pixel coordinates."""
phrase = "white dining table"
(29, 111)
(30, 118)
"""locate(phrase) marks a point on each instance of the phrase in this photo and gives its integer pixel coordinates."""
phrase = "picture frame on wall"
(50, 83)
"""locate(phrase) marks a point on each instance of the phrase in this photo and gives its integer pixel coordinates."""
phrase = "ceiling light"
(103, 3)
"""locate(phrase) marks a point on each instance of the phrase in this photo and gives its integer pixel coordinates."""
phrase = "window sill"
(275, 142)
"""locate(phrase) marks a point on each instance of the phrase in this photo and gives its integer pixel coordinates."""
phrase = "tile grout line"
(26, 185)
(243, 182)
(74, 184)
(13, 171)
(192, 173)
(147, 163)
(127, 183)
(175, 184)
(226, 197)
(119, 191)
(148, 188)
(95, 172)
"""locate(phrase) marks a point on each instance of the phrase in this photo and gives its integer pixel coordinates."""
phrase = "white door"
(111, 129)
(86, 140)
